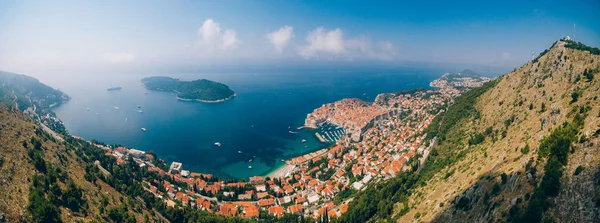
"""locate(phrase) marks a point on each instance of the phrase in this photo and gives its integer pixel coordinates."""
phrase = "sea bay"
(255, 125)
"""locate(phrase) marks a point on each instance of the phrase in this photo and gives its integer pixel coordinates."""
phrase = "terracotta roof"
(266, 202)
(294, 209)
(276, 210)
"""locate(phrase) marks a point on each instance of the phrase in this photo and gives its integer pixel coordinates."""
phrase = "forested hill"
(521, 148)
(202, 90)
(26, 91)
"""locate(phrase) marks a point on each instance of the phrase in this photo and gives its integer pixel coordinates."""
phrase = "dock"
(320, 137)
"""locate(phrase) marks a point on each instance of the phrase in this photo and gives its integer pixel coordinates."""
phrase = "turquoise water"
(254, 125)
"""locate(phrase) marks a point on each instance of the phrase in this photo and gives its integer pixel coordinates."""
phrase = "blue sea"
(254, 125)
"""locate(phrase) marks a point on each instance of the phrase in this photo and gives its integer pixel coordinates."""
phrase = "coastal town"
(383, 138)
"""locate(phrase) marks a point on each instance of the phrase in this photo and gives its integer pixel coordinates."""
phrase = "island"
(198, 90)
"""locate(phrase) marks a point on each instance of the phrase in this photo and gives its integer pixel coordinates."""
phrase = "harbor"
(329, 133)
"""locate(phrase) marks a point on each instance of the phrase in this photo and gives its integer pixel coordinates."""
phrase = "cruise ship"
(114, 88)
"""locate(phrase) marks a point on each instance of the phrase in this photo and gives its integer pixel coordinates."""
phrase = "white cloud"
(386, 46)
(120, 57)
(281, 37)
(211, 38)
(320, 40)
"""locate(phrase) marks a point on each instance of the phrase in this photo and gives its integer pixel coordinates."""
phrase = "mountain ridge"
(525, 106)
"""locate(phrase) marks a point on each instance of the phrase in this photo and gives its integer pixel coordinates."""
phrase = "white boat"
(249, 167)
(239, 151)
(217, 144)
(144, 129)
(140, 111)
(116, 107)
(304, 140)
(88, 109)
(250, 160)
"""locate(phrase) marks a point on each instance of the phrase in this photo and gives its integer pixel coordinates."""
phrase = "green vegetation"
(476, 139)
(45, 196)
(451, 141)
(25, 91)
(204, 90)
(41, 209)
(589, 74)
(525, 149)
(580, 46)
(461, 109)
(575, 95)
(554, 148)
(379, 199)
(578, 170)
(343, 195)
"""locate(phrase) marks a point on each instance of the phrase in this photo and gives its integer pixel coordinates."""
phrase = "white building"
(175, 168)
(313, 197)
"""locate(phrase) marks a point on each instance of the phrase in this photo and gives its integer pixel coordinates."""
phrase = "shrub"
(463, 203)
(496, 189)
(476, 139)
(578, 170)
(525, 149)
(575, 96)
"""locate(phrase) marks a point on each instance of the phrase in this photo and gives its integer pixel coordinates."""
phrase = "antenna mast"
(574, 31)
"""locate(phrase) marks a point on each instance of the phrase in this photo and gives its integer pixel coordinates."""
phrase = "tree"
(40, 208)
(72, 197)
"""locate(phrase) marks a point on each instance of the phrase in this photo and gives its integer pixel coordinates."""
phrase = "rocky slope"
(489, 165)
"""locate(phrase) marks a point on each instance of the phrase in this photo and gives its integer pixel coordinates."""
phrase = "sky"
(43, 37)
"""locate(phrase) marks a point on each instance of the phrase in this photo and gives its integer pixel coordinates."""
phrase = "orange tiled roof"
(276, 210)
(266, 202)
(294, 209)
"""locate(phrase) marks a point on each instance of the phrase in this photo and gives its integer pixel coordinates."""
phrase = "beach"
(281, 171)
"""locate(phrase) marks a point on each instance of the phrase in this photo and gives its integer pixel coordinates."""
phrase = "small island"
(198, 90)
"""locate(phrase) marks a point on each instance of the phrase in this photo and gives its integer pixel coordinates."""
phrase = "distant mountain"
(200, 90)
(25, 91)
(469, 73)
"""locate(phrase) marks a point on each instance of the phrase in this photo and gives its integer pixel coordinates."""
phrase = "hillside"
(44, 179)
(27, 91)
(491, 162)
(521, 148)
(201, 90)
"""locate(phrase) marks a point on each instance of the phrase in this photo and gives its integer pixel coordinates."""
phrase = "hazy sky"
(48, 36)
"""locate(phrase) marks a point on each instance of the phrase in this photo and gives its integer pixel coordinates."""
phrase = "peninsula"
(198, 90)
